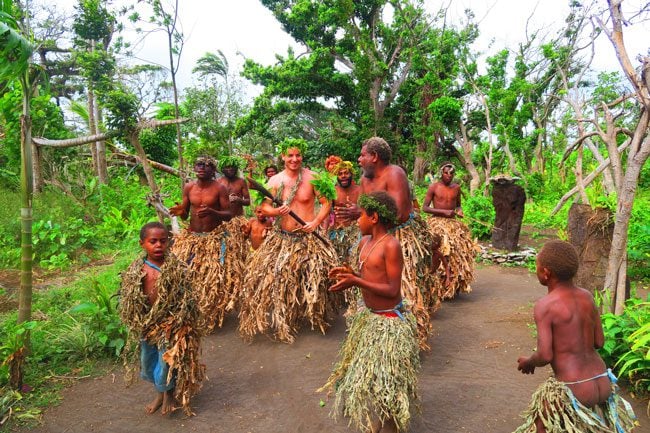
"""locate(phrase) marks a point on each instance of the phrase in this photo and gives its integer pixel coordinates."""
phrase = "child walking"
(376, 377)
(581, 397)
(158, 306)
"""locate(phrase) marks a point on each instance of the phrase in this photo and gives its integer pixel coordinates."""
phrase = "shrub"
(480, 213)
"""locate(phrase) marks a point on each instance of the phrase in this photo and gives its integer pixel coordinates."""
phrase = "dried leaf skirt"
(457, 245)
(376, 375)
(560, 412)
(217, 270)
(171, 323)
(417, 280)
(286, 282)
(238, 250)
(345, 241)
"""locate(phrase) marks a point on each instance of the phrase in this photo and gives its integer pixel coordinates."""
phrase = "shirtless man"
(204, 244)
(238, 194)
(444, 195)
(569, 332)
(299, 261)
(205, 200)
(344, 231)
(442, 202)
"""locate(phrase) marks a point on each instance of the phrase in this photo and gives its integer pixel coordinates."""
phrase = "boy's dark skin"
(569, 332)
(270, 171)
(443, 197)
(155, 243)
(204, 200)
(380, 276)
(347, 194)
(238, 194)
(256, 228)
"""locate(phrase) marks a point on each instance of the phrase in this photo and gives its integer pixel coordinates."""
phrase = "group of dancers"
(302, 259)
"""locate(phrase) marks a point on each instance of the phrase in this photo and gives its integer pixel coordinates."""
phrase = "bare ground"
(468, 382)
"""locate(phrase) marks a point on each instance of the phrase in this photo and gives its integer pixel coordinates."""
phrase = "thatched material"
(376, 375)
(238, 251)
(417, 280)
(345, 241)
(555, 405)
(459, 248)
(217, 272)
(286, 281)
(172, 323)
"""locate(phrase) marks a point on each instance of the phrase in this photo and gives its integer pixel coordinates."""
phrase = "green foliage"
(324, 184)
(627, 343)
(480, 213)
(160, 143)
(15, 49)
(122, 106)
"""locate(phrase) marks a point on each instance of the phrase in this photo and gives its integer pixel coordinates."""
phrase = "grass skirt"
(172, 323)
(217, 273)
(376, 375)
(417, 280)
(345, 241)
(287, 282)
(239, 251)
(555, 405)
(459, 248)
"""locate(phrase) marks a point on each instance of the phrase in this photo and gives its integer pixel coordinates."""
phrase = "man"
(417, 281)
(287, 276)
(443, 202)
(236, 186)
(344, 231)
(203, 244)
(236, 245)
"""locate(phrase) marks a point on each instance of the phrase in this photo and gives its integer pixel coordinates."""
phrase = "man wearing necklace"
(417, 280)
(203, 245)
(376, 378)
(286, 280)
(344, 231)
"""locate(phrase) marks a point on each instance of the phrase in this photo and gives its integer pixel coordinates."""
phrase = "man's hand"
(349, 211)
(309, 227)
(459, 212)
(234, 198)
(526, 365)
(177, 210)
(204, 211)
(283, 210)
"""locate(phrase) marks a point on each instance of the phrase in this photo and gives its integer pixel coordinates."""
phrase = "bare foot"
(168, 403)
(155, 404)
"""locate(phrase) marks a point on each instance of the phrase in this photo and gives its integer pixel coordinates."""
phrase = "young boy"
(257, 228)
(158, 307)
(583, 392)
(376, 377)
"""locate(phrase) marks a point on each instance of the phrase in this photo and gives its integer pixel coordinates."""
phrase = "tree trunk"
(466, 158)
(617, 264)
(509, 201)
(102, 167)
(92, 126)
(590, 232)
(134, 139)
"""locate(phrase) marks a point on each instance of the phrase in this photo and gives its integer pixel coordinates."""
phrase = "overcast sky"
(246, 28)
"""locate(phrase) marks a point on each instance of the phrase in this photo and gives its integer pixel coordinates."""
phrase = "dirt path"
(468, 383)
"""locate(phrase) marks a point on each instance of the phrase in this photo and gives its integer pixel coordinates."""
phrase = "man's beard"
(368, 172)
(344, 183)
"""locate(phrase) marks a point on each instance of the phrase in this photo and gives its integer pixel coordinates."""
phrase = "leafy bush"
(480, 213)
(627, 343)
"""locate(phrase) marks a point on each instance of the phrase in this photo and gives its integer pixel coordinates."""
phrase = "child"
(582, 392)
(257, 227)
(158, 307)
(375, 379)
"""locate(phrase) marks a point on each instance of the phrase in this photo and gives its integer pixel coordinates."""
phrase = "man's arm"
(246, 197)
(599, 336)
(183, 209)
(323, 213)
(223, 212)
(428, 201)
(544, 353)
